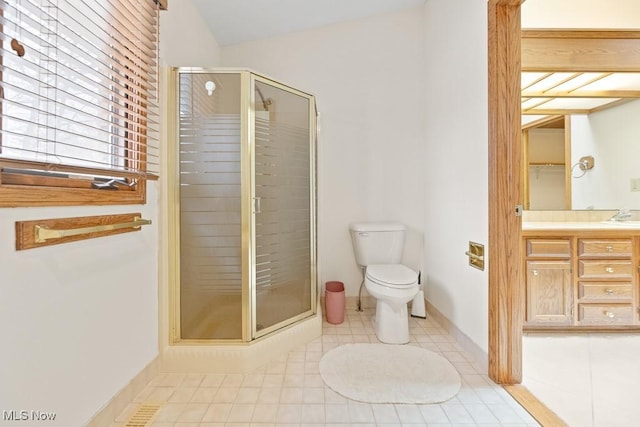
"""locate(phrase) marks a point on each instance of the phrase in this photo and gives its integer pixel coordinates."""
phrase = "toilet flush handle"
(363, 234)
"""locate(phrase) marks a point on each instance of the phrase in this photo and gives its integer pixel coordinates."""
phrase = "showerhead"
(265, 102)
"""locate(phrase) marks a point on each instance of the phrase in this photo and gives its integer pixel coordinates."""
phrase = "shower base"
(211, 314)
(240, 357)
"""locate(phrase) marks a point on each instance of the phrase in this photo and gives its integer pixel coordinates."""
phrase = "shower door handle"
(257, 205)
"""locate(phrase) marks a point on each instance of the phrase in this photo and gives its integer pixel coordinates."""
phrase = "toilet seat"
(395, 276)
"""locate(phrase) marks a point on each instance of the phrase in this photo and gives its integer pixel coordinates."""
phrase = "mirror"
(580, 122)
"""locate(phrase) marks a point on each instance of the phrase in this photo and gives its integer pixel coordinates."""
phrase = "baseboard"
(351, 303)
(112, 409)
(538, 410)
(480, 356)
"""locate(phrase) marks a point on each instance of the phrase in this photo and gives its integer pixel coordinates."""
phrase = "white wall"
(400, 139)
(611, 137)
(455, 167)
(80, 320)
(546, 183)
(367, 77)
(185, 38)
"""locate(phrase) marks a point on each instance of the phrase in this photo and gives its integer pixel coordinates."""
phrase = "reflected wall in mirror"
(585, 105)
(544, 153)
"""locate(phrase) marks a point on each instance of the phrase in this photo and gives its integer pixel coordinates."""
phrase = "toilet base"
(392, 323)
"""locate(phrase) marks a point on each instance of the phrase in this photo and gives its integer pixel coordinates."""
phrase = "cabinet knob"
(609, 248)
(609, 291)
(609, 269)
(535, 272)
(609, 314)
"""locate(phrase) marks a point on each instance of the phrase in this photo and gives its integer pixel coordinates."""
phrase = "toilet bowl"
(393, 286)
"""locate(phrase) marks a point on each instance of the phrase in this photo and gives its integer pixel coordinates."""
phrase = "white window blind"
(78, 88)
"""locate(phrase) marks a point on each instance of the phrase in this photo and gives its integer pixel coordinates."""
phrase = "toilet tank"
(377, 242)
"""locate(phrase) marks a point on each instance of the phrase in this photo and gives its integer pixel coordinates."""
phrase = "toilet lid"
(393, 275)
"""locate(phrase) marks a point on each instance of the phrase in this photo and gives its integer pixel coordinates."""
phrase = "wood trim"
(591, 232)
(543, 163)
(555, 112)
(542, 122)
(506, 3)
(525, 170)
(604, 51)
(25, 230)
(535, 407)
(583, 94)
(561, 329)
(567, 162)
(36, 195)
(635, 259)
(583, 33)
(506, 288)
(610, 105)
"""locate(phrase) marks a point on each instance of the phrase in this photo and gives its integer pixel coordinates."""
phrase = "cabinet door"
(549, 292)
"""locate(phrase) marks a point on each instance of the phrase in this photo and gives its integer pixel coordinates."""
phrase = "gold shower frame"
(249, 330)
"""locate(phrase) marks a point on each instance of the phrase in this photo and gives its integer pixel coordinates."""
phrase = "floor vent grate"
(143, 416)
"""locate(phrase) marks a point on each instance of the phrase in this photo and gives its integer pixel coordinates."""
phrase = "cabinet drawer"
(605, 314)
(548, 248)
(602, 291)
(605, 269)
(603, 248)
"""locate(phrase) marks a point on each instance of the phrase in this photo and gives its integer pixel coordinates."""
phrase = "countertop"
(581, 225)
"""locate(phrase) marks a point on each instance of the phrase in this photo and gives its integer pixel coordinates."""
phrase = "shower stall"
(246, 222)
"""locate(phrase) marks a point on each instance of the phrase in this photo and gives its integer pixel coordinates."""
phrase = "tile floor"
(588, 380)
(290, 390)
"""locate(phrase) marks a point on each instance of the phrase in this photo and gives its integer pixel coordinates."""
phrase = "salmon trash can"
(334, 302)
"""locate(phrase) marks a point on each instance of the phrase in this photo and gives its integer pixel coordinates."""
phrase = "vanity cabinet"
(574, 280)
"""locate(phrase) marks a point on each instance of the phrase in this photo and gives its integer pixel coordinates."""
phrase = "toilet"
(378, 248)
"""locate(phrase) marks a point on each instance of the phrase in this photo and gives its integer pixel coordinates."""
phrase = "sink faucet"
(622, 215)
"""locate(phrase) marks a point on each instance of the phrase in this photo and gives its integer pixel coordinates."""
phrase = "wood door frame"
(506, 290)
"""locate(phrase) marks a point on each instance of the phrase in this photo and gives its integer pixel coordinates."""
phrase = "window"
(78, 120)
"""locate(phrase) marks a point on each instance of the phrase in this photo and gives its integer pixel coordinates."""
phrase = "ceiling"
(237, 21)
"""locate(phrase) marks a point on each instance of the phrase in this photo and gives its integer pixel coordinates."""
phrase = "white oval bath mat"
(386, 373)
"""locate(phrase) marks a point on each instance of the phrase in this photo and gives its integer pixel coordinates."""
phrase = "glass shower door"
(210, 143)
(284, 208)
